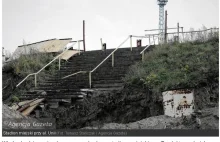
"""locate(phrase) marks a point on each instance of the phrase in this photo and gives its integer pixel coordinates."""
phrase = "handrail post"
(131, 42)
(113, 59)
(149, 40)
(90, 79)
(142, 56)
(59, 63)
(35, 81)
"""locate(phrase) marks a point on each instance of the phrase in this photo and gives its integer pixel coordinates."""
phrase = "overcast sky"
(112, 20)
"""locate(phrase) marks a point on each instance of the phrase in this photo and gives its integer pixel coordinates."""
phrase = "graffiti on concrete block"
(178, 103)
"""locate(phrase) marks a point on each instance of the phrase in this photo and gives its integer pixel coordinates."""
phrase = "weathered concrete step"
(46, 88)
(103, 76)
(51, 97)
(112, 85)
(127, 60)
(101, 57)
(106, 81)
(55, 90)
(52, 94)
(106, 89)
(90, 61)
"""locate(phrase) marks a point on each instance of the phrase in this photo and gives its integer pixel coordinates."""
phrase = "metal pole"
(90, 79)
(101, 44)
(165, 33)
(131, 41)
(84, 43)
(59, 63)
(178, 31)
(113, 59)
(35, 81)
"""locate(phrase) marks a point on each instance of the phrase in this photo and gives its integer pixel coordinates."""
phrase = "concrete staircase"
(105, 78)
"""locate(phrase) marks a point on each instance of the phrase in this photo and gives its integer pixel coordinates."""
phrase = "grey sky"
(113, 20)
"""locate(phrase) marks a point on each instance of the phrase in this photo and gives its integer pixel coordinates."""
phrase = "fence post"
(35, 81)
(90, 79)
(142, 56)
(131, 41)
(113, 59)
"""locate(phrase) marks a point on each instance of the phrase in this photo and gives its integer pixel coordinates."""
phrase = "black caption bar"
(115, 133)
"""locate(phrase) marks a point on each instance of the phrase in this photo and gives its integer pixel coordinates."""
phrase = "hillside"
(177, 65)
(191, 65)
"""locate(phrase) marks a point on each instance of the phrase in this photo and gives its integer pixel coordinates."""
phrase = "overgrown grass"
(18, 69)
(177, 65)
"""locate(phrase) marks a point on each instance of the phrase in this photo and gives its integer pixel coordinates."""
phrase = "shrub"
(14, 99)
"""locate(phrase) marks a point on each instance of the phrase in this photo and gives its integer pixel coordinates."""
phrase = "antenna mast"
(161, 4)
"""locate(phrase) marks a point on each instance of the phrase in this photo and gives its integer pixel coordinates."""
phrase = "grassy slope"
(184, 65)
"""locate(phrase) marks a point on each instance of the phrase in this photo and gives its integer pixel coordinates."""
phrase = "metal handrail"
(25, 79)
(112, 54)
(75, 74)
(194, 31)
(109, 55)
(58, 56)
(140, 36)
(185, 32)
(142, 52)
(145, 48)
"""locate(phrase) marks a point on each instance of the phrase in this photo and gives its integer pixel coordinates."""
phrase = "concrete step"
(105, 78)
(112, 85)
